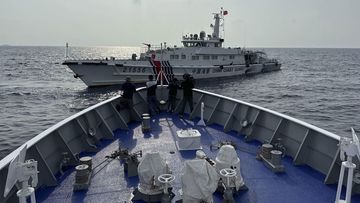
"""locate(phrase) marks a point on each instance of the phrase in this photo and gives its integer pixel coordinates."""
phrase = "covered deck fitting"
(110, 184)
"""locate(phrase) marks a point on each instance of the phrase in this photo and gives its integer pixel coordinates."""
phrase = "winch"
(227, 159)
(151, 187)
(199, 181)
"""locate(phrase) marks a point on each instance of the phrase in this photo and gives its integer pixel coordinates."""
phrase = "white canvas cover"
(199, 181)
(188, 139)
(227, 158)
(149, 169)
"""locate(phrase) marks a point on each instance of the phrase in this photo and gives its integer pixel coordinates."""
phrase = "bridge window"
(206, 57)
(194, 57)
(231, 57)
(183, 56)
(214, 57)
(174, 57)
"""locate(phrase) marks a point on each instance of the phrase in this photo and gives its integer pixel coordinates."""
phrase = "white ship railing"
(305, 143)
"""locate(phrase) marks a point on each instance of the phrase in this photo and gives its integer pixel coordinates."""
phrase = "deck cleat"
(271, 158)
(145, 124)
(82, 177)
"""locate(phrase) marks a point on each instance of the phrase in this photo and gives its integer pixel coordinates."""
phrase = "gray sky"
(253, 23)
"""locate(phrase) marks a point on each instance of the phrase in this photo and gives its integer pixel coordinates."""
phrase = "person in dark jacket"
(187, 85)
(153, 103)
(173, 87)
(127, 95)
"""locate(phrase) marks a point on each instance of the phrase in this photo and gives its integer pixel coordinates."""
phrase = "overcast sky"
(250, 23)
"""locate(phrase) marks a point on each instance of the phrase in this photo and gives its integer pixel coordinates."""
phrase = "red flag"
(225, 13)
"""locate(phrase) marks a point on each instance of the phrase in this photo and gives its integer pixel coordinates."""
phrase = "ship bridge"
(201, 40)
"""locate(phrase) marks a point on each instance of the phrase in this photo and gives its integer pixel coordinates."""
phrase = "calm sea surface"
(319, 86)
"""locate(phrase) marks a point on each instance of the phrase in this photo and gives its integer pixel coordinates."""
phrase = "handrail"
(295, 120)
(6, 160)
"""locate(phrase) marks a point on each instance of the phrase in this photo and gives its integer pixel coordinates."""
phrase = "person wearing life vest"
(126, 99)
(173, 87)
(153, 103)
(187, 85)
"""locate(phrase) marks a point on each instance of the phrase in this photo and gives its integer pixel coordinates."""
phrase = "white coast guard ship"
(203, 56)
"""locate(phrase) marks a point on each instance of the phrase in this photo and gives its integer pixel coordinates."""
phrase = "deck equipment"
(150, 189)
(21, 171)
(350, 147)
(228, 158)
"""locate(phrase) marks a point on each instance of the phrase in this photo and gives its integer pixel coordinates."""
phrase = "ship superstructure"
(201, 55)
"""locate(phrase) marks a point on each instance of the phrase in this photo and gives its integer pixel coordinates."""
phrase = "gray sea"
(319, 86)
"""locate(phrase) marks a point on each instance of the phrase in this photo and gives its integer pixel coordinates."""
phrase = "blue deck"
(297, 184)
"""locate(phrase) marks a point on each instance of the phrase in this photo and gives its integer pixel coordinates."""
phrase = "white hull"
(202, 56)
(101, 74)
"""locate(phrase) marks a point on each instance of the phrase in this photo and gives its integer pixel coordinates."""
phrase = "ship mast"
(213, 40)
(216, 26)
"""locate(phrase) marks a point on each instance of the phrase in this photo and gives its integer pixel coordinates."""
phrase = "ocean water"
(319, 86)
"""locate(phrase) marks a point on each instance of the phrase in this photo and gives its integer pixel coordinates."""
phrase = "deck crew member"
(153, 103)
(187, 85)
(173, 87)
(128, 91)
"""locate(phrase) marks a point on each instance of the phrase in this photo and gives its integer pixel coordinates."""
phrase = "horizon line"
(109, 46)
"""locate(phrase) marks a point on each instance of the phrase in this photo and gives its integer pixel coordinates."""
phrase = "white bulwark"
(202, 55)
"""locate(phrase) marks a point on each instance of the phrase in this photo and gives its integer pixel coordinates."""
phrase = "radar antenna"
(350, 147)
